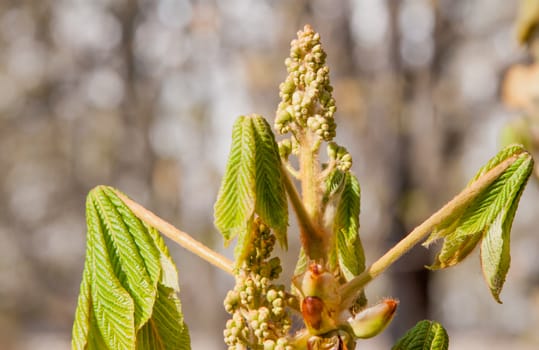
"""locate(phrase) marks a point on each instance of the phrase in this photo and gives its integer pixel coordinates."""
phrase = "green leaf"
(126, 268)
(425, 335)
(350, 252)
(81, 325)
(133, 259)
(112, 307)
(302, 263)
(252, 184)
(334, 184)
(488, 218)
(235, 203)
(495, 248)
(271, 202)
(465, 228)
(166, 329)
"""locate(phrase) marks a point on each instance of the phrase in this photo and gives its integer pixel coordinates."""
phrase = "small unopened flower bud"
(272, 295)
(263, 313)
(277, 303)
(313, 124)
(374, 319)
(278, 311)
(282, 341)
(287, 87)
(285, 148)
(269, 344)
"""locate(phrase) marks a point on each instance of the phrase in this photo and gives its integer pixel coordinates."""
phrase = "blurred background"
(141, 95)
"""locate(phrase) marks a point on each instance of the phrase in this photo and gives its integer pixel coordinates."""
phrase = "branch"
(180, 237)
(348, 291)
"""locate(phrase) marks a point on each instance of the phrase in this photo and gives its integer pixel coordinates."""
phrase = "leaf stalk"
(178, 236)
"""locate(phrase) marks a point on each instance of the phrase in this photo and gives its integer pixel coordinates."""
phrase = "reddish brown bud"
(311, 309)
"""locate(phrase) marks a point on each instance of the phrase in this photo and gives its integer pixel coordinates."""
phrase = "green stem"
(349, 290)
(314, 239)
(309, 171)
(180, 237)
(311, 240)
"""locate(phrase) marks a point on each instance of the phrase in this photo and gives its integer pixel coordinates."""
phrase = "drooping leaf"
(126, 269)
(495, 248)
(333, 187)
(425, 335)
(350, 252)
(465, 228)
(244, 244)
(252, 184)
(271, 202)
(83, 313)
(341, 205)
(165, 330)
(235, 203)
(133, 258)
(112, 308)
(487, 219)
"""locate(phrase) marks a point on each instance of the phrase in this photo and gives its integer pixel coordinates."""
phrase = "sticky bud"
(312, 309)
(320, 302)
(320, 283)
(374, 319)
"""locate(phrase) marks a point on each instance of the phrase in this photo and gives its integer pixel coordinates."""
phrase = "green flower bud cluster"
(306, 94)
(258, 307)
(340, 155)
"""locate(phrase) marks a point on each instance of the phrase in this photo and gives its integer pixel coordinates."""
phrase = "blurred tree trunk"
(425, 147)
(134, 155)
(409, 278)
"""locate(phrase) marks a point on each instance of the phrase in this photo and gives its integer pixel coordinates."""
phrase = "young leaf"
(333, 187)
(252, 184)
(235, 203)
(271, 203)
(350, 252)
(495, 248)
(166, 329)
(126, 269)
(425, 335)
(463, 230)
(302, 263)
(488, 218)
